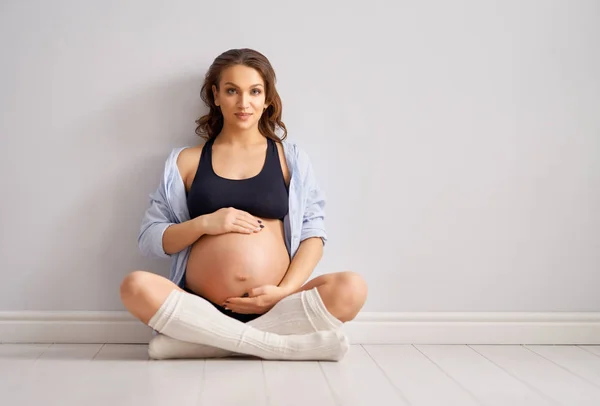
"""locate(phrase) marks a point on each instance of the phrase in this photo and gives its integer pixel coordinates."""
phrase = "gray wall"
(457, 142)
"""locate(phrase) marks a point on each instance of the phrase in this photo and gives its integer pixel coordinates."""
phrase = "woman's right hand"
(231, 220)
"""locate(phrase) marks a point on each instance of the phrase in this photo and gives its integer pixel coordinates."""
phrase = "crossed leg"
(321, 304)
(343, 293)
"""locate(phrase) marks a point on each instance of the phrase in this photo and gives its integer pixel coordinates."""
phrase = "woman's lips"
(243, 116)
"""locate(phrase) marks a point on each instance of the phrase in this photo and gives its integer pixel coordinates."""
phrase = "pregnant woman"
(242, 219)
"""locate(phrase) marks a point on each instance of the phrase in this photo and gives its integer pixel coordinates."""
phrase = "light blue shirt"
(168, 205)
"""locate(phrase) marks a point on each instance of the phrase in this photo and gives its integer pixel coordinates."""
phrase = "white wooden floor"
(504, 375)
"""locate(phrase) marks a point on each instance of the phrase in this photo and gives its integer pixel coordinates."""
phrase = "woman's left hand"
(259, 301)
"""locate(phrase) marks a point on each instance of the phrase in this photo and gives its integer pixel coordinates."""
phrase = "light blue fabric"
(168, 205)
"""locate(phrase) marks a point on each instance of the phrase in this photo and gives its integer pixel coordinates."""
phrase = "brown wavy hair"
(211, 124)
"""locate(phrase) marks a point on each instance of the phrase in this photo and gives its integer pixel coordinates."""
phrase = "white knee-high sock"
(300, 313)
(190, 318)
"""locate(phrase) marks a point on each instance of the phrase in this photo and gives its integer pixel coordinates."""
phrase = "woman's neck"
(243, 139)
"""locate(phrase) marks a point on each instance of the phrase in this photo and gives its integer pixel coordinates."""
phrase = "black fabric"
(264, 195)
(244, 318)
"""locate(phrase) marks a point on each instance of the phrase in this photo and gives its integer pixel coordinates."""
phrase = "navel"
(241, 277)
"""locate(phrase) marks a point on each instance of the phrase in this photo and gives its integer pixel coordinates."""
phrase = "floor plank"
(174, 382)
(418, 380)
(123, 352)
(573, 359)
(356, 379)
(233, 382)
(16, 362)
(128, 377)
(297, 383)
(488, 383)
(113, 376)
(548, 378)
(89, 374)
(594, 349)
(56, 376)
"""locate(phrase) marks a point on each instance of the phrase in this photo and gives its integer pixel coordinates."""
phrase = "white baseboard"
(367, 328)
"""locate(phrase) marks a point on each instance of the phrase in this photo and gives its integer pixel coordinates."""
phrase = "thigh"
(142, 293)
(317, 282)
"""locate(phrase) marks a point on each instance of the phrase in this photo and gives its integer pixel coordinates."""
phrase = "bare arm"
(226, 220)
(179, 236)
(306, 259)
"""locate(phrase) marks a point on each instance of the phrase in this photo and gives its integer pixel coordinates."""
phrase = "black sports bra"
(264, 195)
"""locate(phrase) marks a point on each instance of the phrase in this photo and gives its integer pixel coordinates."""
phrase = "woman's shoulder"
(182, 156)
(177, 163)
(295, 153)
(187, 156)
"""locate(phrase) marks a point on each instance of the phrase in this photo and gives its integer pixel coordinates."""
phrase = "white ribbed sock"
(300, 313)
(190, 318)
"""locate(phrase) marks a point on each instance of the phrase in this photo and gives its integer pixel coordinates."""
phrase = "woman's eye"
(254, 91)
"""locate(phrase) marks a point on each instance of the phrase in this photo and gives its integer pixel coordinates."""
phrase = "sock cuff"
(165, 311)
(315, 302)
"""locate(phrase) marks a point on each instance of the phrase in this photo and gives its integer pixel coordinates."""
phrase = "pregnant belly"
(229, 265)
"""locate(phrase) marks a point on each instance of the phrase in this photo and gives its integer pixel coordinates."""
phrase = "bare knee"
(344, 295)
(142, 293)
(133, 283)
(352, 293)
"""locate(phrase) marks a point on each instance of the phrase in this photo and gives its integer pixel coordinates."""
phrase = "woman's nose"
(243, 100)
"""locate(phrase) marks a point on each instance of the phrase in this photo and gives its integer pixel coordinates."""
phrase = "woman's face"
(241, 96)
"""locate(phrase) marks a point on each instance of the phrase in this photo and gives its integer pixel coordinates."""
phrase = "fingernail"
(260, 221)
(261, 226)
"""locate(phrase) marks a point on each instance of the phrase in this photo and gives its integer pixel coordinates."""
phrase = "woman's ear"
(215, 94)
